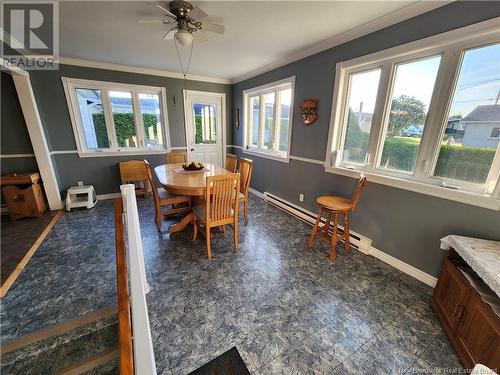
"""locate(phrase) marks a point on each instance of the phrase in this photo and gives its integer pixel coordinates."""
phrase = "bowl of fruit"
(193, 166)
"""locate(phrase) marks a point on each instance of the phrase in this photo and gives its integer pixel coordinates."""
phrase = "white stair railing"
(144, 360)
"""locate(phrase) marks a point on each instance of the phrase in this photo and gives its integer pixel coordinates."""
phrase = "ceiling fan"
(183, 22)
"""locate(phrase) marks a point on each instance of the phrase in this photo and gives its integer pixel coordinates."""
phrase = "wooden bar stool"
(333, 207)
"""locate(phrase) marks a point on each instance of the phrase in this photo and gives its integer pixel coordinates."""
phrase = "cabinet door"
(450, 295)
(479, 333)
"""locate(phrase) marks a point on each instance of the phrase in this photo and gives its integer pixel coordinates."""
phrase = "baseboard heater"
(358, 241)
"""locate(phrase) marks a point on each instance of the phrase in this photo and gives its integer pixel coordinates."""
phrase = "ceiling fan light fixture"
(184, 37)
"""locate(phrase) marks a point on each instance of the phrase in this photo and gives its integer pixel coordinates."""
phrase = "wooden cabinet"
(479, 334)
(470, 323)
(451, 294)
(23, 194)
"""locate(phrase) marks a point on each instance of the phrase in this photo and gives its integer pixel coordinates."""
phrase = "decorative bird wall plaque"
(309, 110)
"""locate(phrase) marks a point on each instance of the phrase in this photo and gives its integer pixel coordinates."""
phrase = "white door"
(205, 123)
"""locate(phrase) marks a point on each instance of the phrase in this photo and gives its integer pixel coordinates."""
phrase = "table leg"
(181, 224)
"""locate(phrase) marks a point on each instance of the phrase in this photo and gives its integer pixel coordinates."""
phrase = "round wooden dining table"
(193, 183)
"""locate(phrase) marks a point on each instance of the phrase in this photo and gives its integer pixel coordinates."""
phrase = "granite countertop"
(483, 256)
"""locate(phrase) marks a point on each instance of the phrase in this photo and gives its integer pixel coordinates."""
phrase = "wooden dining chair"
(220, 208)
(231, 163)
(246, 167)
(176, 157)
(163, 198)
(333, 207)
(133, 171)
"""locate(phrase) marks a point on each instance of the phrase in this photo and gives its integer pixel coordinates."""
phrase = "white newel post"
(134, 229)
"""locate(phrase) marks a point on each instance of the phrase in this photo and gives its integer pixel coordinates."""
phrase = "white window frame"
(70, 86)
(450, 46)
(260, 91)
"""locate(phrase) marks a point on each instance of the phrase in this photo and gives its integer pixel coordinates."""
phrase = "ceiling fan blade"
(213, 27)
(200, 36)
(197, 14)
(169, 35)
(167, 12)
(151, 21)
(170, 32)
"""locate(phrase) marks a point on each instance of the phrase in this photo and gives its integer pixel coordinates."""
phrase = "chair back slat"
(176, 157)
(246, 167)
(221, 196)
(360, 185)
(132, 170)
(231, 163)
(156, 197)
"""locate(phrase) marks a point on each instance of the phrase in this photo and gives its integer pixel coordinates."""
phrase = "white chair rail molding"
(199, 237)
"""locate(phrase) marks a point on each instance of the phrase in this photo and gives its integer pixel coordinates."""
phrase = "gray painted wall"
(14, 137)
(404, 224)
(102, 172)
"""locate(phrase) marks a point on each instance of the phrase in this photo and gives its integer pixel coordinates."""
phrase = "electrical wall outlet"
(80, 183)
(301, 197)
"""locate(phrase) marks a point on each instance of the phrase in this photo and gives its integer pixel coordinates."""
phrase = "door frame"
(222, 96)
(36, 133)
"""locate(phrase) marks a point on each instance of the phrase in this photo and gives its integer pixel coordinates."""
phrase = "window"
(205, 123)
(123, 118)
(495, 133)
(361, 103)
(92, 115)
(110, 118)
(267, 119)
(467, 156)
(404, 126)
(151, 119)
(423, 116)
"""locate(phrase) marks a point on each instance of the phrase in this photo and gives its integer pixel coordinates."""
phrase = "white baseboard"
(257, 193)
(404, 267)
(363, 243)
(102, 197)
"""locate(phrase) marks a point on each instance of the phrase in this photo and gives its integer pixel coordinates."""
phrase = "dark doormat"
(229, 363)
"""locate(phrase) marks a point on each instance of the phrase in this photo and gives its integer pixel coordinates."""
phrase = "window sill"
(97, 154)
(461, 196)
(267, 155)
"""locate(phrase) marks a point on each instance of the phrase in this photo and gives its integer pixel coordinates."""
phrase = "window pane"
(363, 88)
(267, 142)
(254, 120)
(467, 147)
(123, 117)
(205, 121)
(284, 120)
(411, 95)
(151, 118)
(92, 116)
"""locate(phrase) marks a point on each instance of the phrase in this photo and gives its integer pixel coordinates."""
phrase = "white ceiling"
(258, 33)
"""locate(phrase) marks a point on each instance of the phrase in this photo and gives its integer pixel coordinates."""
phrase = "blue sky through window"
(478, 83)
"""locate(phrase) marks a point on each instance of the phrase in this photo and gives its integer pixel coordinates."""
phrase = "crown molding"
(135, 69)
(409, 11)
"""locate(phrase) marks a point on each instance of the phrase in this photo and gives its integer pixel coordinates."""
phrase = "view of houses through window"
(467, 146)
(411, 96)
(469, 141)
(110, 118)
(363, 89)
(92, 117)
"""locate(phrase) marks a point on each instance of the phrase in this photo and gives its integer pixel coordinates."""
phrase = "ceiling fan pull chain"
(184, 71)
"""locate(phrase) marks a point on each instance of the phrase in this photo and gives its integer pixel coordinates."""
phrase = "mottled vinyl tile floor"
(17, 237)
(287, 309)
